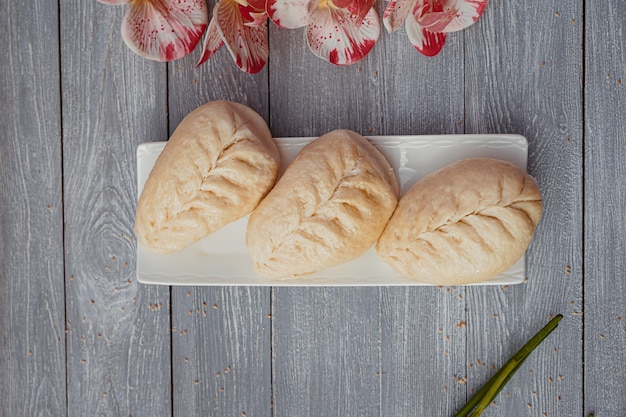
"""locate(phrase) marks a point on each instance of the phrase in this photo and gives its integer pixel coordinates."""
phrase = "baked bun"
(462, 224)
(217, 166)
(329, 207)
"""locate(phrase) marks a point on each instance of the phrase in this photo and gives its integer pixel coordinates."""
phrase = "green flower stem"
(488, 392)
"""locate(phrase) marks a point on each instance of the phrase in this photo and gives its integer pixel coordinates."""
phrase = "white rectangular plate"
(222, 258)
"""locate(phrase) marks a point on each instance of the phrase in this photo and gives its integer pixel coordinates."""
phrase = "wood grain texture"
(423, 328)
(221, 342)
(605, 211)
(325, 350)
(118, 340)
(32, 339)
(523, 75)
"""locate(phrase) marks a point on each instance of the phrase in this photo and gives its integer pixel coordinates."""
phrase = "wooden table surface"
(80, 337)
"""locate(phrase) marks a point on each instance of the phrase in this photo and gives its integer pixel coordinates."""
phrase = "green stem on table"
(488, 392)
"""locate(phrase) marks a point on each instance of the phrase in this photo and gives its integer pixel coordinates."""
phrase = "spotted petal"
(248, 45)
(334, 35)
(396, 13)
(360, 8)
(289, 14)
(212, 42)
(455, 15)
(114, 2)
(425, 41)
(164, 30)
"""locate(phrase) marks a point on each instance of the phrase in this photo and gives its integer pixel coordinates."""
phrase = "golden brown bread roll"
(462, 224)
(329, 207)
(217, 166)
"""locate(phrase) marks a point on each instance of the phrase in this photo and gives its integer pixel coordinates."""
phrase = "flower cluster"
(340, 31)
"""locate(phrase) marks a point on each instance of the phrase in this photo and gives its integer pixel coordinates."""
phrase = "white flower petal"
(289, 14)
(248, 45)
(164, 30)
(334, 35)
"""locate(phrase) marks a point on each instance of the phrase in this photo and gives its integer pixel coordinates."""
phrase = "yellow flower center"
(323, 4)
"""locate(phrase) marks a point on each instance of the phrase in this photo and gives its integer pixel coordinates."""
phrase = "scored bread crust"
(329, 207)
(462, 224)
(217, 166)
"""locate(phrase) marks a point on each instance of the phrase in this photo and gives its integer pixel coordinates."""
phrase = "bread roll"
(217, 166)
(462, 224)
(329, 207)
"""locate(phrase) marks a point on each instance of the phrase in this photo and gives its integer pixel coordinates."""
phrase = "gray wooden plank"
(118, 340)
(523, 75)
(423, 331)
(605, 211)
(32, 339)
(221, 339)
(325, 350)
(325, 341)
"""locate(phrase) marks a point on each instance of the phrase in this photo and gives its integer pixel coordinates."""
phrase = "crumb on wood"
(461, 324)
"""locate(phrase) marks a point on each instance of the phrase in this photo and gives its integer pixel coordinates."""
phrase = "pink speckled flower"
(340, 31)
(163, 30)
(428, 21)
(241, 25)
